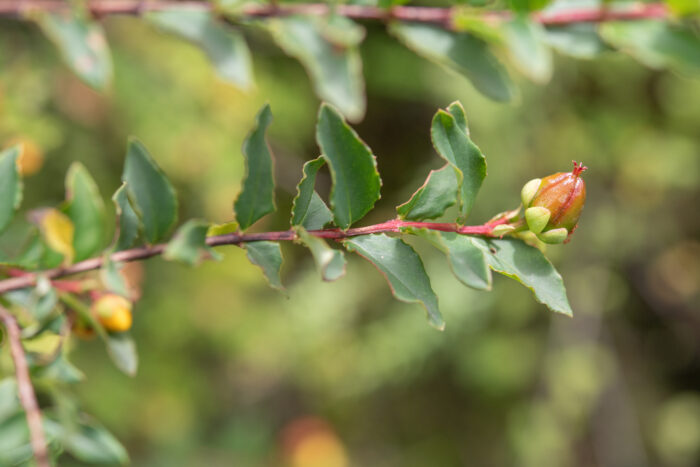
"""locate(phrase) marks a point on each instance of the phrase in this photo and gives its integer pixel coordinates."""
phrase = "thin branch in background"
(145, 252)
(25, 389)
(419, 14)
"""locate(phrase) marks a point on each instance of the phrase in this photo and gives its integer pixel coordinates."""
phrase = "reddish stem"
(25, 390)
(420, 14)
(63, 285)
(28, 279)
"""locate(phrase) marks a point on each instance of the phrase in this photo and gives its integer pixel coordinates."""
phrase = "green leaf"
(91, 443)
(459, 52)
(317, 215)
(267, 255)
(526, 264)
(353, 168)
(82, 44)
(14, 440)
(329, 262)
(31, 253)
(336, 72)
(467, 259)
(656, 44)
(111, 277)
(10, 185)
(430, 201)
(122, 350)
(454, 145)
(189, 244)
(222, 229)
(60, 370)
(477, 24)
(402, 268)
(43, 299)
(580, 40)
(308, 209)
(9, 401)
(127, 220)
(225, 47)
(341, 31)
(150, 193)
(84, 206)
(456, 109)
(257, 197)
(529, 52)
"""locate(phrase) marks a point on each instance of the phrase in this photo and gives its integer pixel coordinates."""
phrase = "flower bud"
(554, 236)
(113, 312)
(502, 229)
(537, 218)
(563, 194)
(529, 190)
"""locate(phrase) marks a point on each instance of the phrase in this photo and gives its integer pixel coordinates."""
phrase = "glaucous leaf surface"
(10, 185)
(402, 268)
(128, 223)
(526, 264)
(353, 168)
(150, 193)
(82, 44)
(336, 71)
(467, 259)
(656, 44)
(454, 145)
(308, 209)
(329, 262)
(257, 196)
(122, 350)
(576, 40)
(188, 245)
(112, 278)
(226, 47)
(268, 256)
(460, 52)
(85, 208)
(529, 52)
(430, 201)
(89, 442)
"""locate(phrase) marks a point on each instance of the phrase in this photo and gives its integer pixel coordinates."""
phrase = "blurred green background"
(233, 373)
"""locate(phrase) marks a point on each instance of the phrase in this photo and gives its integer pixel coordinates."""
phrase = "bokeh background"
(338, 374)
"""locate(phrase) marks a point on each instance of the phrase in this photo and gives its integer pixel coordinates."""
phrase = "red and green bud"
(563, 196)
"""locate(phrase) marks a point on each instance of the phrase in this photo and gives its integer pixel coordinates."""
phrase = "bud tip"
(579, 168)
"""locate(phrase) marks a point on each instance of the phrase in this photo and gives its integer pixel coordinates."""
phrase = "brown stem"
(25, 389)
(434, 15)
(140, 253)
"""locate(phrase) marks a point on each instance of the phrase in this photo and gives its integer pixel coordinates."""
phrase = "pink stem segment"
(28, 279)
(25, 390)
(420, 14)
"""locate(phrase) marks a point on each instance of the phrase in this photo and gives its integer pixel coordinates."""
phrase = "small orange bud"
(564, 194)
(113, 312)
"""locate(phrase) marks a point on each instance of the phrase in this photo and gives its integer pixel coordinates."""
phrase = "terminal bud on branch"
(553, 204)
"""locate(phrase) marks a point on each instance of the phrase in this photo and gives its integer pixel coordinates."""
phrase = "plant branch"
(29, 279)
(25, 389)
(421, 14)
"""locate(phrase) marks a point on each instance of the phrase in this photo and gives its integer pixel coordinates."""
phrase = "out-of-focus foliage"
(339, 373)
